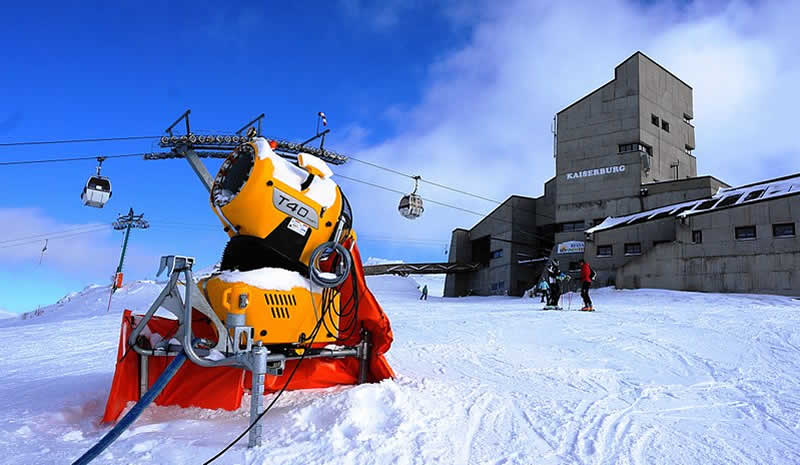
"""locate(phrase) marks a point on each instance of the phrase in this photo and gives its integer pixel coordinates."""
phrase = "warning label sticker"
(298, 226)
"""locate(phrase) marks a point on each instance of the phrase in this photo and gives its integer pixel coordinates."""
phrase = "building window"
(783, 230)
(654, 120)
(634, 248)
(664, 125)
(635, 147)
(604, 251)
(497, 253)
(572, 226)
(729, 200)
(697, 236)
(706, 205)
(744, 233)
(753, 195)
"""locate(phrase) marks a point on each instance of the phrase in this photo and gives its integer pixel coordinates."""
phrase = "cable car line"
(484, 215)
(63, 236)
(73, 141)
(54, 160)
(53, 233)
(453, 189)
(57, 160)
(390, 170)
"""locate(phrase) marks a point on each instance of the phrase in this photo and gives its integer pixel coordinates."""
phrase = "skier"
(542, 289)
(424, 295)
(587, 274)
(553, 278)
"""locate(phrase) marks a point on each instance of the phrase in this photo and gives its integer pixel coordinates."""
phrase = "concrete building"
(622, 150)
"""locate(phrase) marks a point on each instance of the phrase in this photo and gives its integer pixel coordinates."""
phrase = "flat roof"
(724, 198)
(638, 52)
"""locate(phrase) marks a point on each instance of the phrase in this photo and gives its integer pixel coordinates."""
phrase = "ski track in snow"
(652, 377)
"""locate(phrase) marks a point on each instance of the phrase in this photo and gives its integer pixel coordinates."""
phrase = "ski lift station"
(626, 197)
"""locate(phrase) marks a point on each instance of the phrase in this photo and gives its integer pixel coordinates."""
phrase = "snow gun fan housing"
(275, 212)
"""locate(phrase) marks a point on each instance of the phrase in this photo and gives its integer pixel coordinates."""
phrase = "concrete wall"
(664, 95)
(646, 234)
(512, 230)
(591, 130)
(683, 190)
(588, 137)
(721, 263)
(455, 284)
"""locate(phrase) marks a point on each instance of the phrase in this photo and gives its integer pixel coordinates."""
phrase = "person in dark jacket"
(424, 295)
(586, 283)
(554, 284)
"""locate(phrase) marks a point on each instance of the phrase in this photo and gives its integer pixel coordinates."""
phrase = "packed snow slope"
(652, 377)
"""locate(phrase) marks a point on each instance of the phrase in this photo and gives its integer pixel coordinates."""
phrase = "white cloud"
(89, 250)
(483, 121)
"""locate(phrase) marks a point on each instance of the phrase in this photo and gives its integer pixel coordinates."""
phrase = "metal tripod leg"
(259, 371)
(363, 356)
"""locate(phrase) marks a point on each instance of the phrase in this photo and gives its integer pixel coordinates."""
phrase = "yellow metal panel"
(277, 317)
(252, 211)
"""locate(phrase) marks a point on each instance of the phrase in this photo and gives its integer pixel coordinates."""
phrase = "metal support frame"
(144, 382)
(255, 358)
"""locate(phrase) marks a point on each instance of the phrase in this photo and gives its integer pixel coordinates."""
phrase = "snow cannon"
(288, 309)
(275, 212)
(277, 215)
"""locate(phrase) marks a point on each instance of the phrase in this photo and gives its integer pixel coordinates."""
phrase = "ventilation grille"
(279, 304)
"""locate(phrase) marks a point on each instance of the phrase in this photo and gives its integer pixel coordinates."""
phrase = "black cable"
(277, 396)
(62, 236)
(453, 189)
(484, 215)
(390, 170)
(72, 141)
(56, 160)
(50, 234)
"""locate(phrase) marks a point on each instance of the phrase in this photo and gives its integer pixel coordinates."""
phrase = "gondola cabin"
(411, 206)
(96, 192)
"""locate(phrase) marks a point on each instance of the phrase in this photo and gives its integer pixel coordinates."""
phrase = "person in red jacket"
(586, 283)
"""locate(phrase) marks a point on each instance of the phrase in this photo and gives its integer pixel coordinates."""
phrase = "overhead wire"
(453, 189)
(62, 236)
(111, 139)
(74, 141)
(391, 170)
(422, 179)
(484, 215)
(57, 160)
(52, 233)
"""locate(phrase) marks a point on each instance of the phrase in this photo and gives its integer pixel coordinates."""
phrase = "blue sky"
(459, 92)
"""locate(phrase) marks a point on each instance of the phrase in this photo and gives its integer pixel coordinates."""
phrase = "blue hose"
(134, 413)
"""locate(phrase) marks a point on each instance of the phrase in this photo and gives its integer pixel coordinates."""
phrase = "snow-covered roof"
(725, 197)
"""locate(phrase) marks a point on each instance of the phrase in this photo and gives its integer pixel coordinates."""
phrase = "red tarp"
(222, 388)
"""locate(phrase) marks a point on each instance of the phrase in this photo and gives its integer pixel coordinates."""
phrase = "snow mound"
(4, 314)
(381, 261)
(390, 284)
(92, 301)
